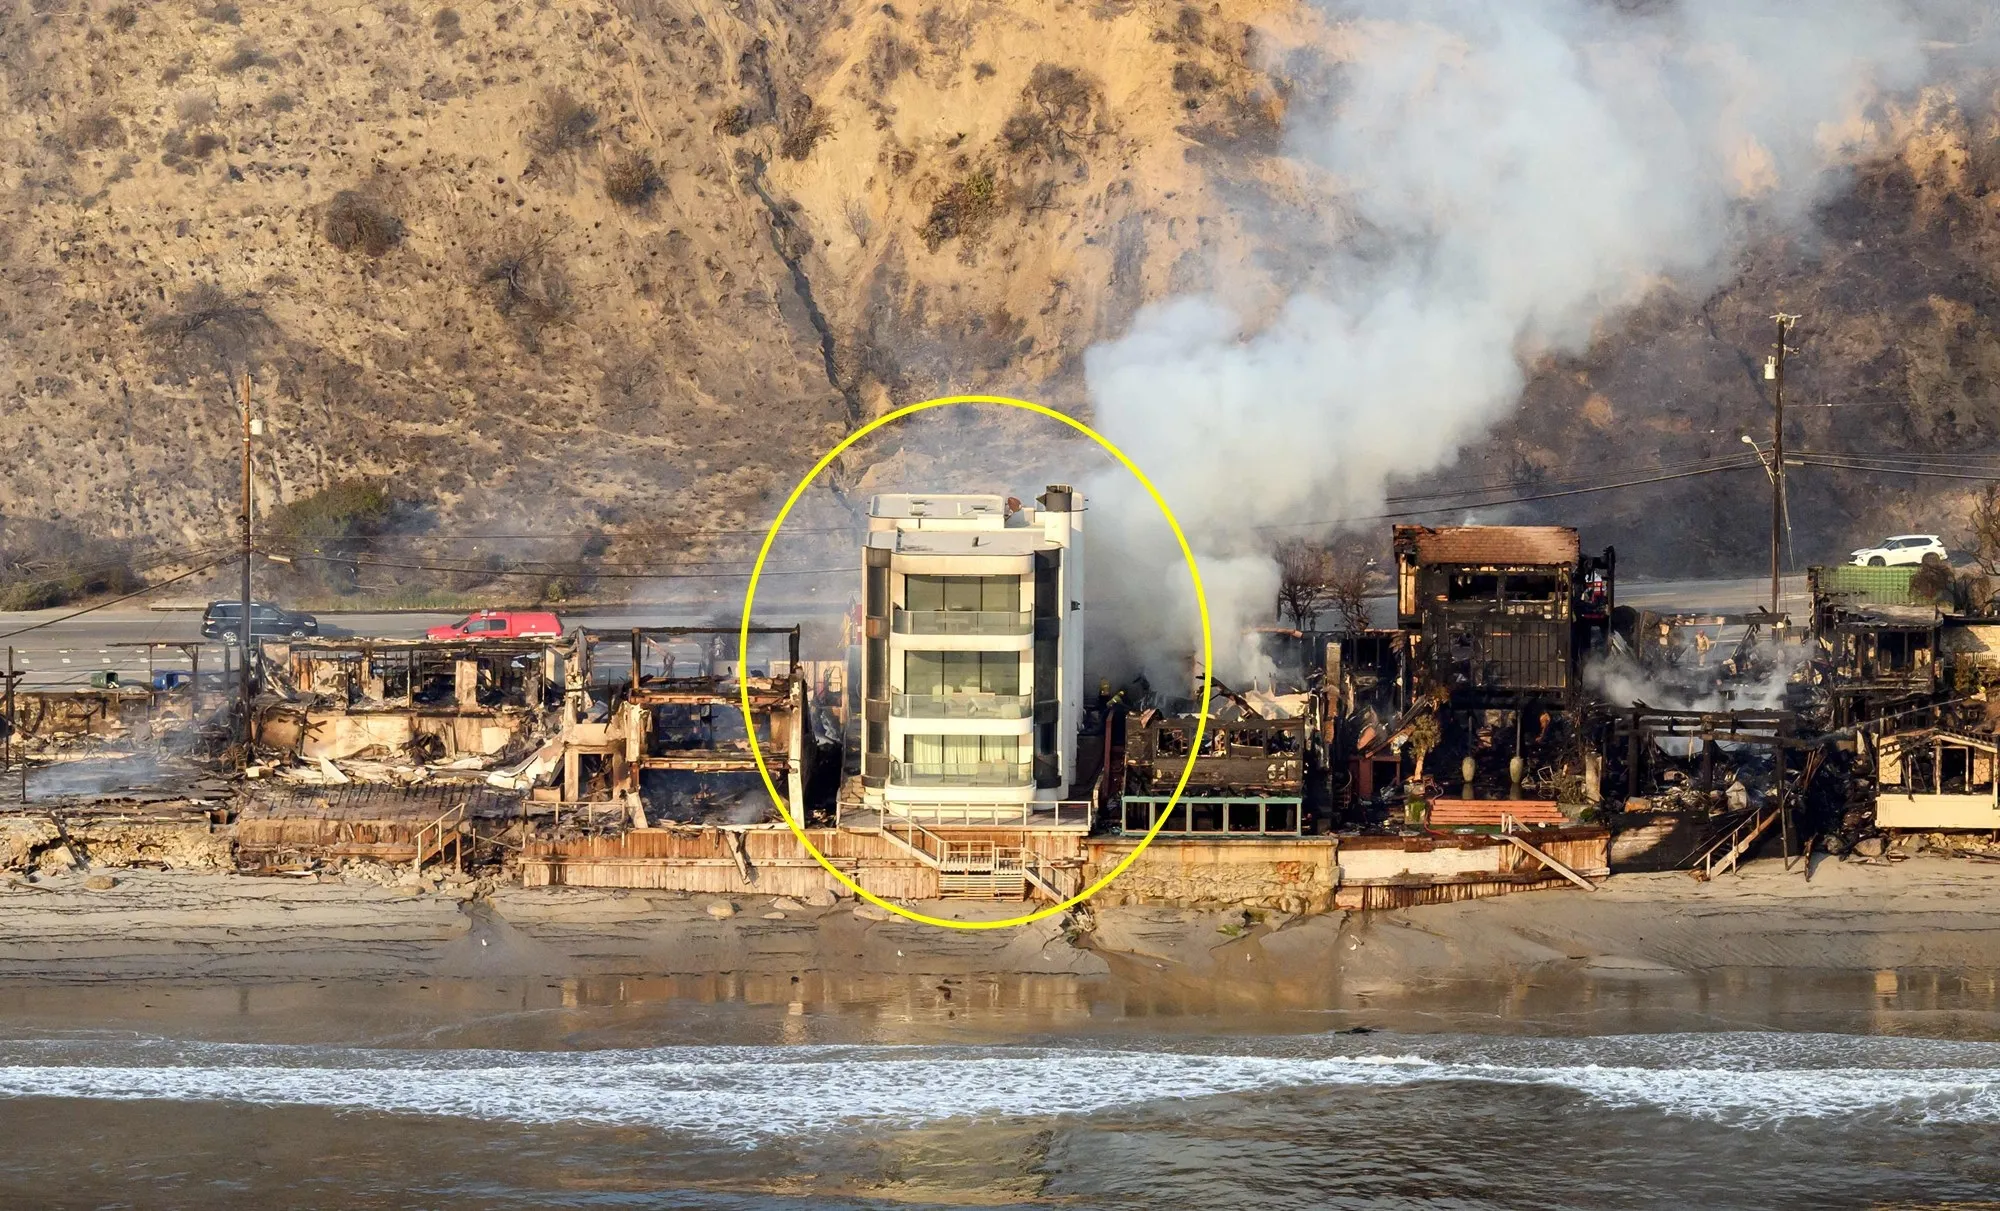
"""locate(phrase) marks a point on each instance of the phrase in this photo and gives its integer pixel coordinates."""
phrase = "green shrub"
(963, 210)
(45, 564)
(341, 512)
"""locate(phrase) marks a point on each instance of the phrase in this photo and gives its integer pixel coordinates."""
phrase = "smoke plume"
(1501, 177)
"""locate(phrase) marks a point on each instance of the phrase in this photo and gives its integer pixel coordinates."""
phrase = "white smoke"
(1716, 685)
(1505, 175)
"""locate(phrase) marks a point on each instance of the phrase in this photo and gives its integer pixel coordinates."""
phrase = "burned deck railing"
(1212, 816)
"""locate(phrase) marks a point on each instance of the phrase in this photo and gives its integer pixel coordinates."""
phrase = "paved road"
(66, 653)
(1719, 596)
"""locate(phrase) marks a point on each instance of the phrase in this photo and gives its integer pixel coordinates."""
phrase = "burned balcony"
(1248, 776)
(1494, 609)
(962, 622)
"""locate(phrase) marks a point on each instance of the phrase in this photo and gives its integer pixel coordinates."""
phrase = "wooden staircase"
(441, 834)
(974, 870)
(1722, 853)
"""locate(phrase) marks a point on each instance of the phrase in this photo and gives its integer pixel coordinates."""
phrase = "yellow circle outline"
(743, 657)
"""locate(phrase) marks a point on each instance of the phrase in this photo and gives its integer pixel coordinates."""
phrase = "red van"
(501, 624)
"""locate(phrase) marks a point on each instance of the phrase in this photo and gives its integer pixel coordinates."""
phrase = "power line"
(1989, 477)
(425, 567)
(554, 567)
(56, 574)
(570, 535)
(1718, 462)
(1957, 462)
(1515, 500)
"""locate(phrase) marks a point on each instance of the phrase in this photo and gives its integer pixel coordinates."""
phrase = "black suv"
(224, 620)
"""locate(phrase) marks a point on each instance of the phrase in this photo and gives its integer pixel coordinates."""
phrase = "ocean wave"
(744, 1093)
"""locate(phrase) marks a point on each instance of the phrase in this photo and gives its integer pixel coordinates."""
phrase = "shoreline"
(1874, 927)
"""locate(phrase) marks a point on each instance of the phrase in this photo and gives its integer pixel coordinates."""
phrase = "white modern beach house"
(972, 657)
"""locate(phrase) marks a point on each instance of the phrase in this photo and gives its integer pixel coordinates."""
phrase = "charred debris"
(1508, 701)
(1513, 691)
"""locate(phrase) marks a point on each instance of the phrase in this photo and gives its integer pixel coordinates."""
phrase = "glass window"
(962, 673)
(962, 750)
(923, 593)
(1000, 594)
(878, 669)
(961, 593)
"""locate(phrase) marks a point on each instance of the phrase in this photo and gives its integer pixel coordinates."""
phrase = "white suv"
(1902, 549)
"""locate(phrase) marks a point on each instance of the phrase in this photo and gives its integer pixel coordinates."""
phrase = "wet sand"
(1859, 946)
(225, 1041)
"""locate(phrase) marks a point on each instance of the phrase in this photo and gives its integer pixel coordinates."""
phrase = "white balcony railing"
(982, 773)
(961, 706)
(962, 622)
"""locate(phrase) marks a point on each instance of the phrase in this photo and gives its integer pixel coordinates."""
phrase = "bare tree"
(1305, 581)
(1315, 578)
(1982, 540)
(1347, 593)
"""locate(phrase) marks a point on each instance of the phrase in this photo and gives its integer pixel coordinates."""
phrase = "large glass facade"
(961, 750)
(994, 594)
(939, 673)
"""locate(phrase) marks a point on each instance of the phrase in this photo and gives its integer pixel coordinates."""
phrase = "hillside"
(630, 266)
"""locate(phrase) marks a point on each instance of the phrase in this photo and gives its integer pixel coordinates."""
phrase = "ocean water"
(1378, 1119)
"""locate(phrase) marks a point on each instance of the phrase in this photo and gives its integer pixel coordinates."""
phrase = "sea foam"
(742, 1093)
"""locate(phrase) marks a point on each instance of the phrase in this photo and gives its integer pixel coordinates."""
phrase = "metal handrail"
(927, 844)
(961, 706)
(962, 622)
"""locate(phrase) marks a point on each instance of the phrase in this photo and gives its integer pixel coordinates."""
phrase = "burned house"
(1494, 613)
(661, 728)
(1876, 639)
(1248, 779)
(1932, 780)
(1497, 619)
(416, 702)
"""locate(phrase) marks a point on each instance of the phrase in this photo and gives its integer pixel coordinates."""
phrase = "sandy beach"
(567, 1047)
(1924, 914)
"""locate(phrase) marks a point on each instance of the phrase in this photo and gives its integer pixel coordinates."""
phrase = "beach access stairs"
(1722, 852)
(976, 870)
(442, 835)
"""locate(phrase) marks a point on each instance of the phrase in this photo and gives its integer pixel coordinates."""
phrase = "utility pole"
(1774, 371)
(7, 739)
(243, 521)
